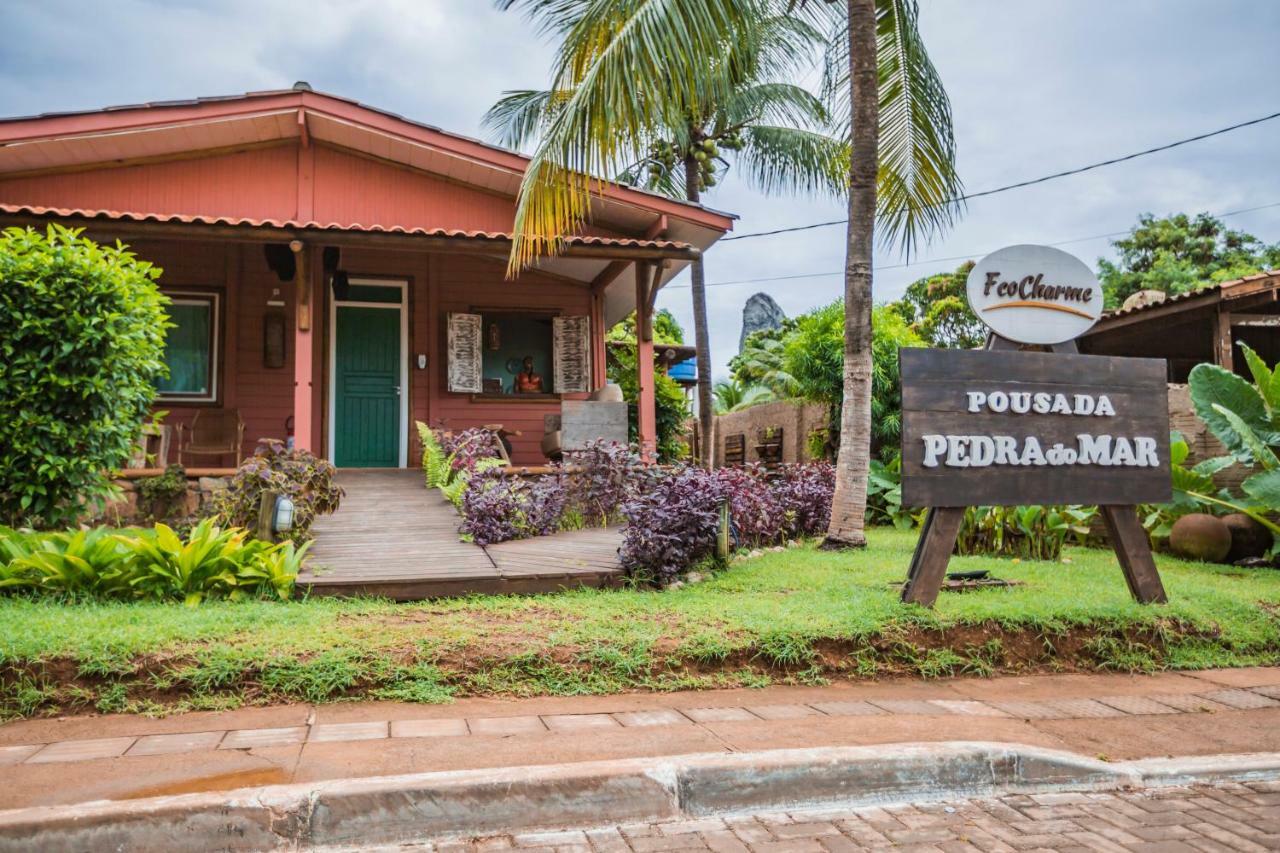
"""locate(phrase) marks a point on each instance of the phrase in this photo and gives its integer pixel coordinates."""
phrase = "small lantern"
(282, 516)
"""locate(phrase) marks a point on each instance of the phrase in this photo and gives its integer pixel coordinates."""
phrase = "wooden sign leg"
(1133, 549)
(933, 552)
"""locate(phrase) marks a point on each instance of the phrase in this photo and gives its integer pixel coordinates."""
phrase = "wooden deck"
(393, 537)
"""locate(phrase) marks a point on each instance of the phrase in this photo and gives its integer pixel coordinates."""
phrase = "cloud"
(1036, 88)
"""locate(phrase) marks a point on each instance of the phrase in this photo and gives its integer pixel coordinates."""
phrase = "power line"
(964, 257)
(1020, 184)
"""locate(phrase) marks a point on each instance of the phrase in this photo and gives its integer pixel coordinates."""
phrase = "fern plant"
(454, 490)
(437, 465)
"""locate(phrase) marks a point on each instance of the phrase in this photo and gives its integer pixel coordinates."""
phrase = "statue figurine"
(527, 381)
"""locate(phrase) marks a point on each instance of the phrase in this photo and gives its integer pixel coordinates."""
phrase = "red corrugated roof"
(495, 236)
(1198, 293)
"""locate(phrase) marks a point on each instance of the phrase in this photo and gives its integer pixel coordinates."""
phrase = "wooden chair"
(214, 432)
(502, 440)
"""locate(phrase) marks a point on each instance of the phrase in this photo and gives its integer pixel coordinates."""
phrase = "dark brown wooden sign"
(983, 427)
(999, 427)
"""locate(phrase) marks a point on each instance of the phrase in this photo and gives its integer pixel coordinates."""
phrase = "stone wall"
(1203, 444)
(796, 419)
(124, 510)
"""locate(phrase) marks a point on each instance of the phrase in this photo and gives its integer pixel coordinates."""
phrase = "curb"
(391, 809)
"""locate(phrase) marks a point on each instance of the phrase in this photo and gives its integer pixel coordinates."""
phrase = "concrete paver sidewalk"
(78, 759)
(1229, 816)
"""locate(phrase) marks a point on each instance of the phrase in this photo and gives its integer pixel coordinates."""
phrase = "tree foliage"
(1178, 253)
(672, 408)
(936, 308)
(640, 88)
(804, 359)
(82, 331)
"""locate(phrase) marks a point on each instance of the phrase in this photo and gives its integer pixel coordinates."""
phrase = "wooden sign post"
(1002, 427)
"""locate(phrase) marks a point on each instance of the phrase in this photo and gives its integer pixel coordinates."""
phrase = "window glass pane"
(187, 349)
(508, 339)
(372, 293)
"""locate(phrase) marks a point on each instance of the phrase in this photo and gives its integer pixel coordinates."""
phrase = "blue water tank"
(684, 371)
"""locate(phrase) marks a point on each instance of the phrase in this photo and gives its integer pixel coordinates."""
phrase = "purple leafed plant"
(498, 506)
(468, 446)
(671, 524)
(804, 491)
(608, 474)
(491, 508)
(758, 515)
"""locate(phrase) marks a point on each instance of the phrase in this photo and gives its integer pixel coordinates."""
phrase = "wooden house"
(337, 272)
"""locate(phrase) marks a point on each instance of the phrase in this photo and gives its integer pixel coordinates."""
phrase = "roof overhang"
(1249, 293)
(664, 229)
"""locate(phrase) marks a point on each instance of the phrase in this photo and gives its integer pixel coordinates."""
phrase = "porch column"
(303, 356)
(646, 404)
(599, 362)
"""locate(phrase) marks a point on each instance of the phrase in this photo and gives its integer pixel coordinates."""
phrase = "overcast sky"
(1036, 87)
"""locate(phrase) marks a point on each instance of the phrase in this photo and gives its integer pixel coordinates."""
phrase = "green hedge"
(82, 331)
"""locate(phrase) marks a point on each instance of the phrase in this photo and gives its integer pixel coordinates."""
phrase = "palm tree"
(732, 396)
(902, 172)
(722, 87)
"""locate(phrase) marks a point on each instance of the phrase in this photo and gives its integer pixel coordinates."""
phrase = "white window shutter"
(465, 355)
(571, 340)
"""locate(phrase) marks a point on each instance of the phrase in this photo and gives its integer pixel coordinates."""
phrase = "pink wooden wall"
(263, 184)
(439, 284)
(239, 274)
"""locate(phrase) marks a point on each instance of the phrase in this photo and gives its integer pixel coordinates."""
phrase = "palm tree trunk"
(849, 505)
(701, 337)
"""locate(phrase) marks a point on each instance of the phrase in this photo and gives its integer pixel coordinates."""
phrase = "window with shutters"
(519, 353)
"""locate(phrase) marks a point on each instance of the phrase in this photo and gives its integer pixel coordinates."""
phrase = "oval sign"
(1035, 294)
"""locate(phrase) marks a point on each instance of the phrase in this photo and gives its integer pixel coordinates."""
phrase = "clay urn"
(1249, 539)
(1199, 536)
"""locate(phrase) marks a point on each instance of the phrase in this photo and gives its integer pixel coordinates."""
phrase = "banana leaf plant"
(1245, 417)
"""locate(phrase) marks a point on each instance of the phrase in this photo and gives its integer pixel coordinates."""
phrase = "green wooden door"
(366, 374)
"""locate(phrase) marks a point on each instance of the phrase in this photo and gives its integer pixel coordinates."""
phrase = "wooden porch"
(392, 537)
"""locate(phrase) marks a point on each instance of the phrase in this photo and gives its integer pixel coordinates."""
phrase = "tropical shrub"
(884, 495)
(1246, 419)
(156, 564)
(82, 330)
(672, 408)
(672, 523)
(1029, 532)
(497, 506)
(605, 474)
(310, 482)
(1193, 491)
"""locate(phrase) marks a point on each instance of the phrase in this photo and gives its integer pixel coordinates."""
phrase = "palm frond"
(788, 160)
(918, 185)
(517, 118)
(633, 67)
(778, 103)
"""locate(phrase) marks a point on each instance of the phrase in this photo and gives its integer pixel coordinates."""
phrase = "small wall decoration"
(495, 337)
(273, 340)
(1005, 427)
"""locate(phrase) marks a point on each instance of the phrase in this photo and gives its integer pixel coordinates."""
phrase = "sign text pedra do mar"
(1004, 426)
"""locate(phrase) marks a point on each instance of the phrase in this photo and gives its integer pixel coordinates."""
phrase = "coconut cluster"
(665, 156)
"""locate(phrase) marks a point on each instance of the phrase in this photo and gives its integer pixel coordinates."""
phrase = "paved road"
(1169, 820)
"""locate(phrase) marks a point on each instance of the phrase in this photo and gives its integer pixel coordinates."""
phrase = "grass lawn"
(796, 616)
